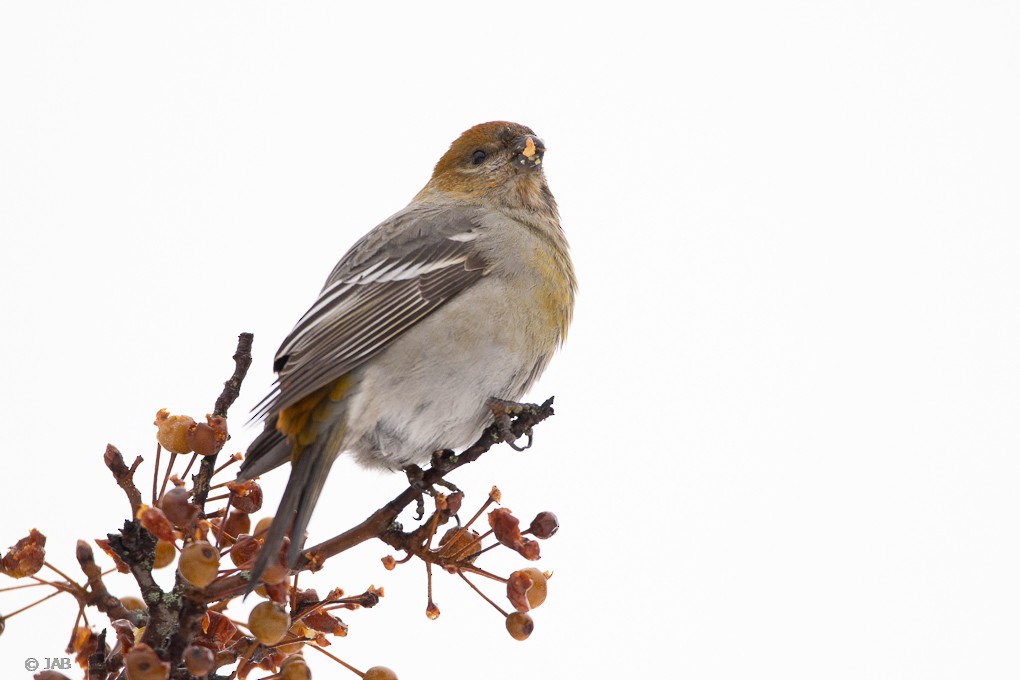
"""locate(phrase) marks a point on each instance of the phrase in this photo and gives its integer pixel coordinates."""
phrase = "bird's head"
(497, 162)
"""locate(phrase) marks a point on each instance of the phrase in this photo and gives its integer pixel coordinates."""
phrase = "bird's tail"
(307, 477)
(269, 450)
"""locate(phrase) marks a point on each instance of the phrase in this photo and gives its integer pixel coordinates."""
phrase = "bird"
(460, 298)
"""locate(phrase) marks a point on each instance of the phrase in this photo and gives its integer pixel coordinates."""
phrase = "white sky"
(786, 442)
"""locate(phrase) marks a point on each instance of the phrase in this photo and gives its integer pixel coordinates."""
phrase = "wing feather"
(398, 274)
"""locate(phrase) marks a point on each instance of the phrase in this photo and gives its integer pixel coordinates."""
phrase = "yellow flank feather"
(297, 421)
(558, 300)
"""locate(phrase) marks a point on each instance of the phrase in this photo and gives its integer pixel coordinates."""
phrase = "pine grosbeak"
(460, 297)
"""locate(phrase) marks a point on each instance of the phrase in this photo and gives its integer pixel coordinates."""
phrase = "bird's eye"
(478, 157)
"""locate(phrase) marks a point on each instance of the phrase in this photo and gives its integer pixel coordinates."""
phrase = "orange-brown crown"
(498, 133)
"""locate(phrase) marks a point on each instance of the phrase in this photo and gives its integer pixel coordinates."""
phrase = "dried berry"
(173, 431)
(540, 586)
(277, 570)
(199, 563)
(219, 628)
(268, 622)
(155, 522)
(520, 625)
(453, 502)
(461, 544)
(295, 668)
(204, 439)
(507, 530)
(237, 523)
(432, 611)
(261, 527)
(544, 525)
(142, 663)
(165, 554)
(517, 587)
(119, 563)
(324, 622)
(505, 527)
(131, 602)
(199, 660)
(26, 557)
(245, 496)
(529, 549)
(125, 631)
(244, 551)
(177, 507)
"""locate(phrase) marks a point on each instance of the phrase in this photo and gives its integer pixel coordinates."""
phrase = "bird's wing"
(397, 274)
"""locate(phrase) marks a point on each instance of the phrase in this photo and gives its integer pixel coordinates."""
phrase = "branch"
(379, 523)
(231, 390)
(124, 475)
(98, 595)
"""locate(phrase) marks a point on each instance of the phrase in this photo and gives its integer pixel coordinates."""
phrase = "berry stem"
(481, 572)
(26, 585)
(340, 661)
(484, 596)
(166, 476)
(155, 472)
(62, 575)
(29, 606)
(230, 461)
(194, 457)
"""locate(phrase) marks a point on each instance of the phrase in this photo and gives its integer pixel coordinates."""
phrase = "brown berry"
(26, 557)
(237, 523)
(165, 554)
(520, 625)
(155, 522)
(461, 544)
(295, 668)
(177, 507)
(244, 551)
(130, 602)
(207, 438)
(142, 663)
(245, 496)
(199, 660)
(173, 431)
(277, 570)
(544, 525)
(199, 563)
(539, 586)
(380, 673)
(261, 527)
(268, 622)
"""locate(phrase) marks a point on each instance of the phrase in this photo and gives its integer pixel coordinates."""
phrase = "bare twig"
(231, 390)
(124, 475)
(98, 595)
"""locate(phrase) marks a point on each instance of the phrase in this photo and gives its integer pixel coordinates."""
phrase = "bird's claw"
(416, 476)
(502, 410)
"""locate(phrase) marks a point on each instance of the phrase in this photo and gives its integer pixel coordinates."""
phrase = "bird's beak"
(528, 152)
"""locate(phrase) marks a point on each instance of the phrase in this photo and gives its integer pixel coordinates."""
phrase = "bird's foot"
(416, 478)
(502, 410)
